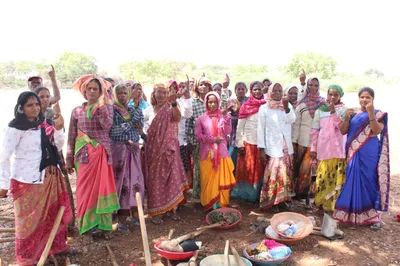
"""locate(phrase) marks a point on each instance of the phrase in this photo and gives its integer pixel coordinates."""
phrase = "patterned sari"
(165, 176)
(366, 190)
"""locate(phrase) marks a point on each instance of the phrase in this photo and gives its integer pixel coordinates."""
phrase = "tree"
(71, 66)
(374, 73)
(311, 63)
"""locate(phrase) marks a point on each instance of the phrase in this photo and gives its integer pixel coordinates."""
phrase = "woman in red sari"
(165, 175)
(37, 186)
(89, 153)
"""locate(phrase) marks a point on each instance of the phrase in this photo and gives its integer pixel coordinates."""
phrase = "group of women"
(264, 148)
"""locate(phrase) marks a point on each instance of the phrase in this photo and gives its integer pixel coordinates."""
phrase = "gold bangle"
(372, 120)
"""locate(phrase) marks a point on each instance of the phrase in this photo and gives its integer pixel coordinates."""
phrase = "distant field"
(385, 100)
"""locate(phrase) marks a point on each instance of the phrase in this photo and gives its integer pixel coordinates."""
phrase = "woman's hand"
(263, 157)
(225, 83)
(285, 102)
(331, 107)
(3, 193)
(218, 139)
(349, 113)
(52, 73)
(58, 121)
(172, 97)
(313, 155)
(70, 170)
(370, 107)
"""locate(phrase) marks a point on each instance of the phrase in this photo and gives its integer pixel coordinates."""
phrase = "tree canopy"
(312, 63)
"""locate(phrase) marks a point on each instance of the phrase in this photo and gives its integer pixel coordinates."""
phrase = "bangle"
(372, 120)
(174, 104)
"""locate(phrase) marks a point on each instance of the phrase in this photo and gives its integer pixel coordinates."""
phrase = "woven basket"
(295, 217)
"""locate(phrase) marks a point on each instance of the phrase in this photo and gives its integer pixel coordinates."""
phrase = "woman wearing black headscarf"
(34, 179)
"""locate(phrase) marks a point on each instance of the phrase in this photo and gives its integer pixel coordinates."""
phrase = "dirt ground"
(361, 246)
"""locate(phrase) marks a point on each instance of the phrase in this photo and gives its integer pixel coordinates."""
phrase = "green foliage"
(311, 63)
(374, 73)
(149, 72)
(71, 66)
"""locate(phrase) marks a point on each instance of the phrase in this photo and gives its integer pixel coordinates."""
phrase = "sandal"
(134, 221)
(173, 216)
(156, 220)
(69, 252)
(122, 227)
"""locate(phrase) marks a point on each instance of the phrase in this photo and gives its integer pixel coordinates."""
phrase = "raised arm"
(56, 91)
(315, 133)
(72, 133)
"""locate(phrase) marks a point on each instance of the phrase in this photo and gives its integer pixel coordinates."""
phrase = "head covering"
(121, 108)
(197, 84)
(288, 89)
(312, 100)
(130, 81)
(215, 130)
(273, 104)
(81, 83)
(169, 84)
(35, 77)
(21, 122)
(325, 106)
(252, 105)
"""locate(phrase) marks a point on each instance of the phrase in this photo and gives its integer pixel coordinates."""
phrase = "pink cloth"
(204, 135)
(165, 176)
(327, 140)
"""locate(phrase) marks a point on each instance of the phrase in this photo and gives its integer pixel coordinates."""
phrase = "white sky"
(358, 34)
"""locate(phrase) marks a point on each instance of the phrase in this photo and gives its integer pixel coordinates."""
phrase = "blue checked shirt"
(198, 110)
(122, 131)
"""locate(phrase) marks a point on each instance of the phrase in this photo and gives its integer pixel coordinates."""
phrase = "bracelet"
(372, 120)
(174, 104)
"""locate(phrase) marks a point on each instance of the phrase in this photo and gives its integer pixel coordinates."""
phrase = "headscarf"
(286, 92)
(169, 84)
(325, 106)
(21, 122)
(312, 101)
(129, 81)
(252, 105)
(273, 104)
(197, 84)
(122, 109)
(215, 116)
(81, 83)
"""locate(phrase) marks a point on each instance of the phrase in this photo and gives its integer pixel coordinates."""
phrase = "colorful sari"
(366, 190)
(36, 207)
(249, 172)
(165, 176)
(96, 195)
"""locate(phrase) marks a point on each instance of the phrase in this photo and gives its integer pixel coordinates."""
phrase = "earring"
(19, 109)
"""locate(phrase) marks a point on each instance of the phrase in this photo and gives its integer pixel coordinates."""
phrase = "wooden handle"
(113, 260)
(238, 259)
(209, 226)
(7, 230)
(51, 237)
(226, 254)
(143, 230)
(192, 260)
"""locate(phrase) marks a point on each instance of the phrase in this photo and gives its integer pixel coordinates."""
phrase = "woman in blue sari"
(366, 190)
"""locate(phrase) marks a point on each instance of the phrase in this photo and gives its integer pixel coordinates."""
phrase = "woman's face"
(203, 87)
(92, 91)
(292, 94)
(173, 88)
(212, 103)
(365, 98)
(241, 91)
(217, 89)
(333, 96)
(313, 86)
(32, 108)
(267, 83)
(277, 92)
(44, 96)
(257, 91)
(122, 95)
(128, 85)
(161, 95)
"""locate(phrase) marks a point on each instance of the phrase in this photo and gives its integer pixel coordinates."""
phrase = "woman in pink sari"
(165, 175)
